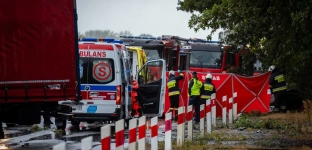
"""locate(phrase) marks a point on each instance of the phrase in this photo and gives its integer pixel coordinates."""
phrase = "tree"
(101, 34)
(125, 33)
(80, 35)
(145, 34)
(279, 32)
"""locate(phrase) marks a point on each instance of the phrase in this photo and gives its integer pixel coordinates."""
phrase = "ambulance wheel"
(75, 125)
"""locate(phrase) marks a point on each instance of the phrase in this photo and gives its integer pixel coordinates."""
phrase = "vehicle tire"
(62, 127)
(75, 125)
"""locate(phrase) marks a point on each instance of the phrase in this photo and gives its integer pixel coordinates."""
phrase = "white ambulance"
(105, 84)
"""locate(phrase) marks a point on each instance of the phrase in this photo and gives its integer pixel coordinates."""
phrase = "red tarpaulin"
(252, 92)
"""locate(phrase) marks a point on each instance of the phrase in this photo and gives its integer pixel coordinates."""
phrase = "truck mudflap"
(64, 111)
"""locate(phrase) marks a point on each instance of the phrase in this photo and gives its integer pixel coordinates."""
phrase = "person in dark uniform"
(278, 88)
(207, 89)
(174, 91)
(194, 92)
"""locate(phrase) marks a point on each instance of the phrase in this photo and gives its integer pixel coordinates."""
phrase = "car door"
(151, 93)
(126, 84)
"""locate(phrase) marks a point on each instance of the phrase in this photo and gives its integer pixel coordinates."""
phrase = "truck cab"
(211, 56)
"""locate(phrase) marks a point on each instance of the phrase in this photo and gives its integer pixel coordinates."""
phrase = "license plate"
(77, 107)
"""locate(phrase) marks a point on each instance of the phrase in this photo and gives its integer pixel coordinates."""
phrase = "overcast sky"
(155, 17)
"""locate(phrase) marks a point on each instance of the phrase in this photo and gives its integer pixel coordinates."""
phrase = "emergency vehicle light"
(108, 40)
(139, 37)
(118, 41)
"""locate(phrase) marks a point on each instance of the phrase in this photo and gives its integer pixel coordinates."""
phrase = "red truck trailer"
(38, 60)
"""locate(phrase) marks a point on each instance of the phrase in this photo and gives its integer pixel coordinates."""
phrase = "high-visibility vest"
(195, 89)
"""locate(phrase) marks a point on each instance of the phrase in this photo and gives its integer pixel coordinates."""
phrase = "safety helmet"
(271, 68)
(171, 72)
(208, 76)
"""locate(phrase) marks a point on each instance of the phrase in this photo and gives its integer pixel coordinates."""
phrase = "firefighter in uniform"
(278, 88)
(207, 89)
(194, 86)
(134, 95)
(174, 91)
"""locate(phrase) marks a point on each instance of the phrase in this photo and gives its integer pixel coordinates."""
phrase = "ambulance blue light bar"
(118, 41)
(108, 40)
(140, 37)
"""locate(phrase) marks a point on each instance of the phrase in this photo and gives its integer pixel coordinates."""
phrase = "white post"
(180, 128)
(142, 133)
(208, 115)
(105, 137)
(234, 106)
(224, 110)
(202, 120)
(60, 146)
(132, 134)
(154, 133)
(168, 128)
(230, 110)
(190, 123)
(213, 110)
(119, 134)
(86, 143)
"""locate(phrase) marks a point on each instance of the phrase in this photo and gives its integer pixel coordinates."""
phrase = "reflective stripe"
(173, 108)
(171, 84)
(279, 78)
(280, 89)
(174, 93)
(205, 96)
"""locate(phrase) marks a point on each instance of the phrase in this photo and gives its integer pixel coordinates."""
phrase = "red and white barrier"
(132, 134)
(208, 115)
(234, 106)
(168, 128)
(230, 110)
(181, 126)
(213, 110)
(106, 137)
(142, 133)
(202, 120)
(120, 134)
(86, 143)
(61, 146)
(190, 123)
(224, 109)
(154, 133)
